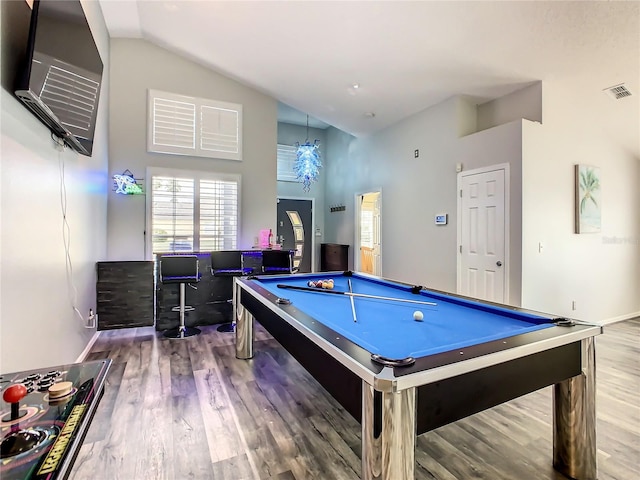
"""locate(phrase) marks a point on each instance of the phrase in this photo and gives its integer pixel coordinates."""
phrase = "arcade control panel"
(44, 417)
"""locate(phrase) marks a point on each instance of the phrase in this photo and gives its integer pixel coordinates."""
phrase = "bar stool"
(183, 270)
(228, 263)
(276, 262)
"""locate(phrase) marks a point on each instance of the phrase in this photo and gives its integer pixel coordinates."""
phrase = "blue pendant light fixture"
(307, 165)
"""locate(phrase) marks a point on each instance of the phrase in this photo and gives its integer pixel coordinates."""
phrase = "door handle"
(499, 263)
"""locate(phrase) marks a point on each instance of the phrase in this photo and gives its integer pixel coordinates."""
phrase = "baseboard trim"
(87, 349)
(620, 318)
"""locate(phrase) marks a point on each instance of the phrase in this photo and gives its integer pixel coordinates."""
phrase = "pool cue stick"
(353, 305)
(363, 295)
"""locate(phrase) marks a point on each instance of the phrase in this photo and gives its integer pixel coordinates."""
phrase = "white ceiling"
(405, 56)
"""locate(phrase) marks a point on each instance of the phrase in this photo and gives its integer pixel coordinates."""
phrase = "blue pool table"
(401, 377)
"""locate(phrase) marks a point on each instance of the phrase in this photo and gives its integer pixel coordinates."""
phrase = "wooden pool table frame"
(394, 404)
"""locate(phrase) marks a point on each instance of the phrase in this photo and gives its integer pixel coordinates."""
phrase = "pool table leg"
(390, 455)
(574, 425)
(244, 327)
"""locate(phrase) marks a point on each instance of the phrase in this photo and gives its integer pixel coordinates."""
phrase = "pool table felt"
(387, 327)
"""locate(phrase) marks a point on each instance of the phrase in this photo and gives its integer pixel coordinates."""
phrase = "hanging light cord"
(307, 139)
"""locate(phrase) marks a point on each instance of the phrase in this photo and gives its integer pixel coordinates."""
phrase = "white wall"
(38, 326)
(600, 272)
(136, 66)
(289, 134)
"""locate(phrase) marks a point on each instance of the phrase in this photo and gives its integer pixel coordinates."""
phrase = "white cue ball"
(418, 316)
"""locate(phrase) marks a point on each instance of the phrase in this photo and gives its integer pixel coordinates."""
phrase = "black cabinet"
(334, 256)
(124, 294)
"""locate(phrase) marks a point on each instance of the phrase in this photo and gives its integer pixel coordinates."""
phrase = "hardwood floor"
(178, 409)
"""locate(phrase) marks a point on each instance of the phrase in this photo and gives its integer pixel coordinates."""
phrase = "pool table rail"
(465, 360)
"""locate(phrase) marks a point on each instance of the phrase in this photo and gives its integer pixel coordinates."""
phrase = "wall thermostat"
(441, 219)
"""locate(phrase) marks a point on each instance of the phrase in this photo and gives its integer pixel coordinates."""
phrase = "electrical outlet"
(573, 305)
(92, 319)
(416, 153)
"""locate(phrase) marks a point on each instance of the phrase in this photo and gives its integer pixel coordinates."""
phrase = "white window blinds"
(174, 125)
(286, 161)
(219, 130)
(194, 126)
(218, 215)
(172, 209)
(193, 212)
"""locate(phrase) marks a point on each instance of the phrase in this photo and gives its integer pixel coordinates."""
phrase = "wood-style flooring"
(188, 409)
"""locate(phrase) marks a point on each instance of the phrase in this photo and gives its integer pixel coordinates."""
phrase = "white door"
(482, 236)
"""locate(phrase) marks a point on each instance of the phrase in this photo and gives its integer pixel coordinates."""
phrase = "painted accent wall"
(138, 65)
(289, 134)
(414, 190)
(38, 286)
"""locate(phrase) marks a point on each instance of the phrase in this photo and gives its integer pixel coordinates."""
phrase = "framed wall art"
(588, 201)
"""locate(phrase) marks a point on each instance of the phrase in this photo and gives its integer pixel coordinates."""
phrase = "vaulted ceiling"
(362, 66)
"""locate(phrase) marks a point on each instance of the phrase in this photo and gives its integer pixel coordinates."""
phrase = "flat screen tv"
(61, 78)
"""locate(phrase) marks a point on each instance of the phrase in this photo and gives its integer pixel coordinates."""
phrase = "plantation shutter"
(194, 211)
(172, 209)
(219, 130)
(286, 161)
(183, 125)
(173, 125)
(218, 215)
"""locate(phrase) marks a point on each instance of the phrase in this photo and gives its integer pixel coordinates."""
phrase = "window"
(183, 125)
(366, 228)
(286, 161)
(193, 211)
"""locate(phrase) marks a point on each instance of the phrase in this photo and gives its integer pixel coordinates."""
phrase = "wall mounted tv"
(60, 81)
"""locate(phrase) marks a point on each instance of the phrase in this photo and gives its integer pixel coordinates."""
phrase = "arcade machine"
(45, 417)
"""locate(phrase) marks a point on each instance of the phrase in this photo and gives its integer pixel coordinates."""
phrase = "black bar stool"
(276, 262)
(228, 263)
(183, 270)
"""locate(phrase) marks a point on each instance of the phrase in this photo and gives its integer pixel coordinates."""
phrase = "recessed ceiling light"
(355, 86)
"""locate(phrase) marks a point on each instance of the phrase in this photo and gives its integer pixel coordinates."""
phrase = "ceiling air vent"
(618, 91)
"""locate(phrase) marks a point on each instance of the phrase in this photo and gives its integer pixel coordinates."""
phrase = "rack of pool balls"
(326, 284)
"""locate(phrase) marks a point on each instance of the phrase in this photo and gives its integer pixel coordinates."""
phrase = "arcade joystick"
(13, 395)
(19, 441)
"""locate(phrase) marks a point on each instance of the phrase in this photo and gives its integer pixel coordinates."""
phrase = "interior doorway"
(368, 252)
(294, 231)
